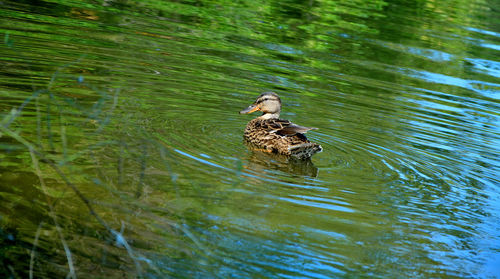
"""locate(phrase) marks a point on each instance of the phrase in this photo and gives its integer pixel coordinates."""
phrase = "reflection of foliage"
(317, 24)
(314, 24)
(102, 142)
(71, 133)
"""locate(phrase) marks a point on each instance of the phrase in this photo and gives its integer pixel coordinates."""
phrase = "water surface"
(122, 152)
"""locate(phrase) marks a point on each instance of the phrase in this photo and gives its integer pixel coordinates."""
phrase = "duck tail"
(305, 150)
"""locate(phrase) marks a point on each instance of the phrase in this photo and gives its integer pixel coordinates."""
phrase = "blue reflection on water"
(486, 32)
(432, 54)
(489, 67)
(486, 88)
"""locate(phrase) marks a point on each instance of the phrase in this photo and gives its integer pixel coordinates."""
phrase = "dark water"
(122, 153)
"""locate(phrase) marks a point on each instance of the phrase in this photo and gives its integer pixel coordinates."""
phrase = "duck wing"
(293, 129)
(287, 128)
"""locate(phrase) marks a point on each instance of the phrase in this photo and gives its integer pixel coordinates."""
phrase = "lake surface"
(121, 150)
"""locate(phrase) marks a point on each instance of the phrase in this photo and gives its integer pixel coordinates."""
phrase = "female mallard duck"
(272, 134)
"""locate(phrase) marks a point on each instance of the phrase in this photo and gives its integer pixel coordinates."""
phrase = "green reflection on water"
(130, 111)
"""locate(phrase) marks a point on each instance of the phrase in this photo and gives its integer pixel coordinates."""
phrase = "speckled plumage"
(271, 134)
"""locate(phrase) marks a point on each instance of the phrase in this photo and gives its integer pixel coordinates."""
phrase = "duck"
(269, 133)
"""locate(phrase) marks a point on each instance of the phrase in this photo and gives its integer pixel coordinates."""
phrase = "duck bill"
(250, 109)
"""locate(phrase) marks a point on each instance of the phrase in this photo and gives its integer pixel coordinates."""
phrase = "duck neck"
(269, 115)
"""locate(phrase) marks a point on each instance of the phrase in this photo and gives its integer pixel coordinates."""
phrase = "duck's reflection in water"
(260, 161)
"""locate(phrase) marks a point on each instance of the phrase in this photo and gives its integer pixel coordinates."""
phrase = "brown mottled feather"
(281, 136)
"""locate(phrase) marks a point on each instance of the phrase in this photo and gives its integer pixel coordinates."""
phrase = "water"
(138, 167)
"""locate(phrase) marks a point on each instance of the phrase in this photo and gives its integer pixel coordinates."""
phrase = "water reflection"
(259, 162)
(136, 106)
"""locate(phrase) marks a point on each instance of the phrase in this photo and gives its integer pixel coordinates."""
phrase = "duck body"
(279, 136)
(269, 133)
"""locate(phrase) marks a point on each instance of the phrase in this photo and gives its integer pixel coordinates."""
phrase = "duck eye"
(262, 100)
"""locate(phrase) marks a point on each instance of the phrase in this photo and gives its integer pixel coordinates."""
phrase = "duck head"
(268, 102)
